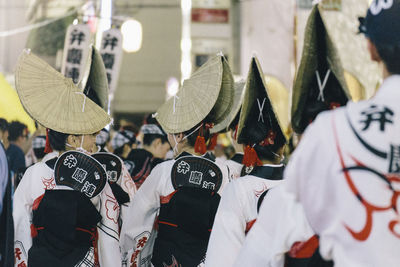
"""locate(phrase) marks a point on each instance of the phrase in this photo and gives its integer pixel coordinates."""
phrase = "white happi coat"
(39, 178)
(236, 214)
(345, 174)
(137, 233)
(234, 167)
(280, 224)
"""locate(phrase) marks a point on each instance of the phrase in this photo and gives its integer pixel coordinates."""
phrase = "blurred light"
(172, 86)
(186, 42)
(105, 20)
(186, 45)
(186, 69)
(132, 32)
(186, 6)
(75, 22)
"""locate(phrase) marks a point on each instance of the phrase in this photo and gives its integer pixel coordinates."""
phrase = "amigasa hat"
(94, 83)
(237, 103)
(257, 103)
(258, 113)
(320, 83)
(55, 101)
(207, 93)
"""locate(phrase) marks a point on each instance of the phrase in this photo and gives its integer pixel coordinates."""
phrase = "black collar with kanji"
(268, 172)
(186, 154)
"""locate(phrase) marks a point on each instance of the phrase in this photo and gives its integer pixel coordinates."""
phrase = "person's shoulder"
(167, 164)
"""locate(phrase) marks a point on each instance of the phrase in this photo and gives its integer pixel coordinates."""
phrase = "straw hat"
(319, 54)
(237, 103)
(253, 106)
(54, 100)
(94, 82)
(208, 92)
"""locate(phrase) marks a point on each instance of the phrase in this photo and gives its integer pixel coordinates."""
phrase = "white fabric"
(140, 217)
(351, 232)
(235, 169)
(281, 223)
(36, 180)
(237, 208)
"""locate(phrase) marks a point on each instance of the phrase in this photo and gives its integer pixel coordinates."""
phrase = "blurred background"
(163, 41)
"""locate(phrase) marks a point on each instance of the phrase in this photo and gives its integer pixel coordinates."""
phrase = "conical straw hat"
(223, 105)
(208, 92)
(94, 82)
(257, 89)
(319, 54)
(237, 103)
(54, 100)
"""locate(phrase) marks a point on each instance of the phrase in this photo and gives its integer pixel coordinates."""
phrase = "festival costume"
(54, 224)
(356, 177)
(290, 233)
(174, 209)
(237, 212)
(242, 197)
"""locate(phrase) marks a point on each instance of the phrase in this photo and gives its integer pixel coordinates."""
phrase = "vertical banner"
(111, 52)
(76, 51)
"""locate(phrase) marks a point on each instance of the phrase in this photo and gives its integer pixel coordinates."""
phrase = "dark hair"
(192, 136)
(15, 130)
(131, 127)
(149, 138)
(57, 140)
(148, 119)
(258, 132)
(390, 55)
(39, 153)
(119, 150)
(3, 125)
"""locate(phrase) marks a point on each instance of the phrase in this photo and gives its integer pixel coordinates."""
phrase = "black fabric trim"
(267, 172)
(51, 163)
(108, 233)
(183, 154)
(237, 158)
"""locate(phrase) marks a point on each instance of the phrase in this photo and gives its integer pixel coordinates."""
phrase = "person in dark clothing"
(155, 147)
(18, 134)
(6, 219)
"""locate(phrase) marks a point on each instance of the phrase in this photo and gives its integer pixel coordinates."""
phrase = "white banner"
(111, 51)
(76, 49)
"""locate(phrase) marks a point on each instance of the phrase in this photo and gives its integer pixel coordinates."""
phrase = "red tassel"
(250, 157)
(213, 142)
(200, 145)
(47, 148)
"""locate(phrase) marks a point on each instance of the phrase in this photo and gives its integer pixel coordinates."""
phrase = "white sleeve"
(22, 215)
(141, 214)
(127, 184)
(281, 223)
(108, 235)
(228, 232)
(308, 172)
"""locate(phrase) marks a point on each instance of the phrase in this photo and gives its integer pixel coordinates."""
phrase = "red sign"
(204, 15)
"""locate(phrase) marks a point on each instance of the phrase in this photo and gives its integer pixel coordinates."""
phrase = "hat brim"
(54, 100)
(195, 100)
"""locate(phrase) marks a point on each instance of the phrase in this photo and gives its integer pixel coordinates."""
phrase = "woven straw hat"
(256, 91)
(237, 103)
(94, 82)
(208, 92)
(54, 100)
(319, 54)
